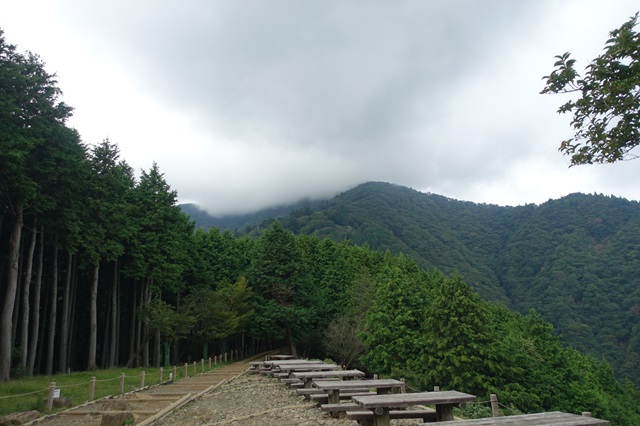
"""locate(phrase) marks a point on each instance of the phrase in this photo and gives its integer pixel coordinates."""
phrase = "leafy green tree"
(157, 251)
(219, 313)
(223, 257)
(606, 116)
(457, 341)
(394, 325)
(282, 310)
(158, 247)
(171, 323)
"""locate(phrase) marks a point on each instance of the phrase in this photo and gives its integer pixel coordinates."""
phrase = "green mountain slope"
(576, 260)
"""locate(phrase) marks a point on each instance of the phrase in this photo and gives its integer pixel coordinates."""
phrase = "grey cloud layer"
(421, 93)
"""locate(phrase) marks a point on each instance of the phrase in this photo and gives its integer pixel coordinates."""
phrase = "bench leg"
(334, 397)
(444, 412)
(381, 417)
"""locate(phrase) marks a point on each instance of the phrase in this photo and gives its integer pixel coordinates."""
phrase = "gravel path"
(244, 400)
(255, 400)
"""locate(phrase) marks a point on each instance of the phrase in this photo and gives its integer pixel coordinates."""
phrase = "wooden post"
(121, 383)
(161, 375)
(402, 389)
(495, 412)
(436, 388)
(186, 371)
(52, 389)
(225, 357)
(92, 388)
(209, 363)
(202, 365)
(175, 372)
(195, 368)
(586, 413)
(142, 379)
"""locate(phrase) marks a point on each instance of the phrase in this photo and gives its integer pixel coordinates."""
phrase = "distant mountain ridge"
(576, 260)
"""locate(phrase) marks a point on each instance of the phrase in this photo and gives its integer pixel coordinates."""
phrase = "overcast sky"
(250, 103)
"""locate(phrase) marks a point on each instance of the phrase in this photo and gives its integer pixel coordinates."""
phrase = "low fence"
(124, 383)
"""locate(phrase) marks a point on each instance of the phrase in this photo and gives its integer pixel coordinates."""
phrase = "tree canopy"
(606, 116)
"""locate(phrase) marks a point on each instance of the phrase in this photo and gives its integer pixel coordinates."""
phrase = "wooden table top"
(327, 374)
(407, 399)
(357, 384)
(555, 418)
(292, 361)
(307, 366)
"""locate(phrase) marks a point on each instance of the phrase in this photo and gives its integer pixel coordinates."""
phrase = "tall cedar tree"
(29, 109)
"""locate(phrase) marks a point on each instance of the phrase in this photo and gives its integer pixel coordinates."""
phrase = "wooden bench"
(289, 369)
(554, 418)
(343, 406)
(366, 417)
(288, 381)
(323, 398)
(307, 392)
(334, 388)
(309, 376)
(381, 405)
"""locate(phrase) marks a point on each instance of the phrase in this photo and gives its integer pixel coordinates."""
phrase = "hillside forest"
(574, 260)
(100, 267)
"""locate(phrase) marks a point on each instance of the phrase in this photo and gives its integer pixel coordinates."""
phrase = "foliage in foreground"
(435, 331)
(606, 116)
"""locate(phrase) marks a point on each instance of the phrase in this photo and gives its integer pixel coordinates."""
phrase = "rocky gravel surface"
(255, 400)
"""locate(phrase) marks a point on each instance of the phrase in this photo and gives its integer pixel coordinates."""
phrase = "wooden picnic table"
(274, 363)
(308, 377)
(443, 400)
(334, 387)
(292, 368)
(555, 418)
(282, 357)
(308, 366)
(261, 365)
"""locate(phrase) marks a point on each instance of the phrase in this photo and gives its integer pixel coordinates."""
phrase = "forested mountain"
(576, 260)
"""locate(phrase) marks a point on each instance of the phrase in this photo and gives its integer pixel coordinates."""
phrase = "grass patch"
(30, 393)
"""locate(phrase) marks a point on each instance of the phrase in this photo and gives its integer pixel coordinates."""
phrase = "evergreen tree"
(29, 112)
(457, 341)
(394, 325)
(281, 310)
